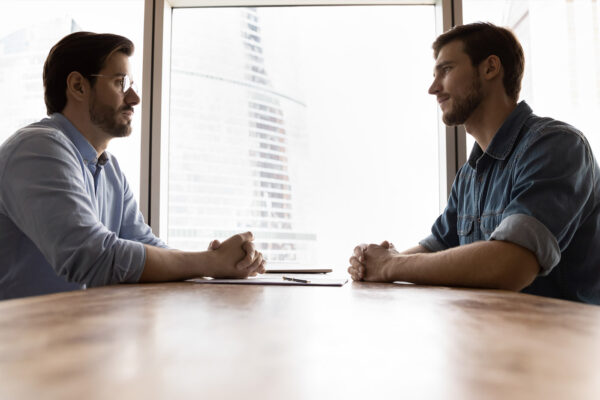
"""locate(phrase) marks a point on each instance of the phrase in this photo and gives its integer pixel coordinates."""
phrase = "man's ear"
(77, 86)
(491, 67)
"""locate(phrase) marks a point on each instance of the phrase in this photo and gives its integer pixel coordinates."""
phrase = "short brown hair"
(84, 52)
(481, 40)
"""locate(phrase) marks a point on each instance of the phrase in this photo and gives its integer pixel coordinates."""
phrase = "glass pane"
(310, 126)
(28, 29)
(561, 41)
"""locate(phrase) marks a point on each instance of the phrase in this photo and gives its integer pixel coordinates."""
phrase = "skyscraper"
(236, 141)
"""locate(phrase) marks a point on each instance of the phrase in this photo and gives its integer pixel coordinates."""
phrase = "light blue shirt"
(67, 217)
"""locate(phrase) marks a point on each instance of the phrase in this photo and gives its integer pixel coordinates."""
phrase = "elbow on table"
(111, 261)
(521, 273)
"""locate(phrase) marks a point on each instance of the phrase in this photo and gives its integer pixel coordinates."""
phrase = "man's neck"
(487, 119)
(98, 139)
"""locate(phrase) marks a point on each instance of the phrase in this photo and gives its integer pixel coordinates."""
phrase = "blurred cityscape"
(235, 140)
(22, 55)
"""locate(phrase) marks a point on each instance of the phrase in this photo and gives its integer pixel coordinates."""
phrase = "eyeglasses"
(125, 82)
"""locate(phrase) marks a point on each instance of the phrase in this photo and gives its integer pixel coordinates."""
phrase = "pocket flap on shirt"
(464, 226)
(489, 223)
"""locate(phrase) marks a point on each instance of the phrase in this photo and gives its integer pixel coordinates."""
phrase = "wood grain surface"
(371, 341)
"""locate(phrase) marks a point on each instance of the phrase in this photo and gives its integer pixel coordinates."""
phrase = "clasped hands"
(371, 262)
(239, 250)
(374, 263)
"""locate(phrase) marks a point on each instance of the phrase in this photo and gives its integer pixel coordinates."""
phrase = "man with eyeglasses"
(68, 219)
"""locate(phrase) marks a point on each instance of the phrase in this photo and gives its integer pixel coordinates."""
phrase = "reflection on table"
(371, 341)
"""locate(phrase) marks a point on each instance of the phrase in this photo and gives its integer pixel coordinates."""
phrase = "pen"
(287, 278)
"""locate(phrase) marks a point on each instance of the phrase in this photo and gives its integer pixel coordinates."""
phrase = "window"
(310, 126)
(28, 29)
(561, 41)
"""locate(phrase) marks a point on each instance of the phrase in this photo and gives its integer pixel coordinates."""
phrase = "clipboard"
(296, 270)
(278, 280)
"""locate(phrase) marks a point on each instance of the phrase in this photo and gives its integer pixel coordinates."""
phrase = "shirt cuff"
(528, 232)
(432, 244)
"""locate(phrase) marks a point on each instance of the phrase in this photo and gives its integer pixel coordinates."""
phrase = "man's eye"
(119, 82)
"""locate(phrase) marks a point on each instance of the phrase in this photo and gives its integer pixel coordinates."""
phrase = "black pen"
(287, 278)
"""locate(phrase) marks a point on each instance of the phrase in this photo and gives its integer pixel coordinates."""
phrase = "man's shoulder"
(550, 143)
(545, 127)
(34, 141)
(550, 136)
(42, 133)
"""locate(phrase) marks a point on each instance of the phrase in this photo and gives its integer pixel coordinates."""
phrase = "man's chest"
(106, 199)
(483, 195)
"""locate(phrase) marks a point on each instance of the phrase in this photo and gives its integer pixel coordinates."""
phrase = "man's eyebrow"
(441, 65)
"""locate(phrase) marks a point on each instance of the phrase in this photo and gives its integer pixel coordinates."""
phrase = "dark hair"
(482, 40)
(84, 52)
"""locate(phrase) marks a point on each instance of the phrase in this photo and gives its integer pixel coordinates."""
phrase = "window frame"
(156, 80)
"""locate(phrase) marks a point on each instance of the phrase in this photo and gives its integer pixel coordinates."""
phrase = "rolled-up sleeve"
(528, 232)
(45, 196)
(432, 244)
(550, 196)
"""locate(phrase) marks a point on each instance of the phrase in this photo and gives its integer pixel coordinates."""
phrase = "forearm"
(486, 264)
(164, 265)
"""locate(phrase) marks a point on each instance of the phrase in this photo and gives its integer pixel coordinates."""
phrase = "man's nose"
(435, 87)
(131, 97)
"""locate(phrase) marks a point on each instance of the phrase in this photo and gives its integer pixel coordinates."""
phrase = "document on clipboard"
(289, 270)
(295, 269)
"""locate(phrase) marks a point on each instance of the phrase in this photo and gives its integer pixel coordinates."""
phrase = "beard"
(106, 118)
(463, 107)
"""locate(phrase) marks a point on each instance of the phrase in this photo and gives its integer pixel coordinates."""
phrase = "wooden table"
(368, 341)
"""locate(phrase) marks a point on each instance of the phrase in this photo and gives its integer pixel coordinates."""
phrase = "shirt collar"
(87, 151)
(504, 140)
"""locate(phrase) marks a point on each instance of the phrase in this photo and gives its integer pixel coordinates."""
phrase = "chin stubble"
(105, 118)
(464, 107)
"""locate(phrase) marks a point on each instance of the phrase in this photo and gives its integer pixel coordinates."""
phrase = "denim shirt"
(67, 217)
(536, 185)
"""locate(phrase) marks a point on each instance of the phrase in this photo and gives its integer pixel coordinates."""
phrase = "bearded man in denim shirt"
(524, 211)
